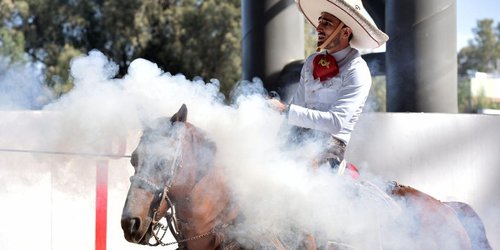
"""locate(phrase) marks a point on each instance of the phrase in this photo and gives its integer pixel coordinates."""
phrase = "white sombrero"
(366, 35)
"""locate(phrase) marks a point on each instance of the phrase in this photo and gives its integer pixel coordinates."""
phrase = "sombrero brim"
(366, 35)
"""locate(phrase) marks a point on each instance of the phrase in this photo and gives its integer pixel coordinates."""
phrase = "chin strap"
(330, 38)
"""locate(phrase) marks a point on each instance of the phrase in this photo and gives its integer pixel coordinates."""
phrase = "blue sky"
(468, 12)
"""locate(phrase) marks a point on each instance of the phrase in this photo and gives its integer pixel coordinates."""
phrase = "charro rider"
(335, 81)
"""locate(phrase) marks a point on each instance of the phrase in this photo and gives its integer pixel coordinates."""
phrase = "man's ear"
(346, 31)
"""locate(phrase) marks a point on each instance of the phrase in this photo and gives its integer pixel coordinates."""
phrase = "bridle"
(158, 208)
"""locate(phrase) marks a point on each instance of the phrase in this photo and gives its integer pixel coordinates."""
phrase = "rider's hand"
(278, 105)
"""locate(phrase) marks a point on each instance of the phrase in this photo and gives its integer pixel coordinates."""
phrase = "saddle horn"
(181, 115)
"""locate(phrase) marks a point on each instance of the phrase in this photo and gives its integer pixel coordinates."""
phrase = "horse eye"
(160, 164)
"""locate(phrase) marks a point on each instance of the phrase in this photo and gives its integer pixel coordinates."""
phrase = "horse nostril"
(131, 226)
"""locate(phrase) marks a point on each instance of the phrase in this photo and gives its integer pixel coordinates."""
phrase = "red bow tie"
(325, 67)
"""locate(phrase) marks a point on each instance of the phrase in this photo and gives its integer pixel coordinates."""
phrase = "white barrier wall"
(449, 156)
(48, 201)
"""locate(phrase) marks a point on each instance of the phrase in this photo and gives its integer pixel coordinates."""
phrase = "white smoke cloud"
(21, 86)
(274, 187)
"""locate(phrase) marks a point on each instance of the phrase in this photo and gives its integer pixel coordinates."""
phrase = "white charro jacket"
(334, 105)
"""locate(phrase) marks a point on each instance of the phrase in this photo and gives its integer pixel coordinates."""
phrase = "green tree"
(11, 40)
(192, 37)
(464, 95)
(205, 41)
(483, 52)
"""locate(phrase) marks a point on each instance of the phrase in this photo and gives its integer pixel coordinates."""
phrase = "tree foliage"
(192, 37)
(11, 40)
(483, 52)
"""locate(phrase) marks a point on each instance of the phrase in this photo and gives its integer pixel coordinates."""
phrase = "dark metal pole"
(273, 36)
(421, 56)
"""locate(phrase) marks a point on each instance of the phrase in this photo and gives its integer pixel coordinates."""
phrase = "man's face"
(327, 23)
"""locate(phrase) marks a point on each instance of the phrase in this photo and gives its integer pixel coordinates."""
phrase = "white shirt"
(334, 105)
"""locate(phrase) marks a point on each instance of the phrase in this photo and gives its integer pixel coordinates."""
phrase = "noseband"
(158, 210)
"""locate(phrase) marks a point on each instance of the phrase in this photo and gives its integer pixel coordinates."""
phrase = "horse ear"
(181, 115)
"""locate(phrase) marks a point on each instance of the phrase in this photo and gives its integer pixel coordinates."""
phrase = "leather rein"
(158, 230)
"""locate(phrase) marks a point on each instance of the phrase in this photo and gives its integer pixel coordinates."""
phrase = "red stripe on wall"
(101, 205)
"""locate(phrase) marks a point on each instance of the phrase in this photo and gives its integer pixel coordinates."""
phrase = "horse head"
(169, 159)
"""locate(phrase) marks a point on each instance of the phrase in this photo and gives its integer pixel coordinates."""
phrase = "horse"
(177, 182)
(176, 178)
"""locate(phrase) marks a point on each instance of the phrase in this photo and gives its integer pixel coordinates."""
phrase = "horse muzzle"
(136, 230)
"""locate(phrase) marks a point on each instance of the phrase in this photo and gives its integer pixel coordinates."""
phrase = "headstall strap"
(176, 164)
(149, 184)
